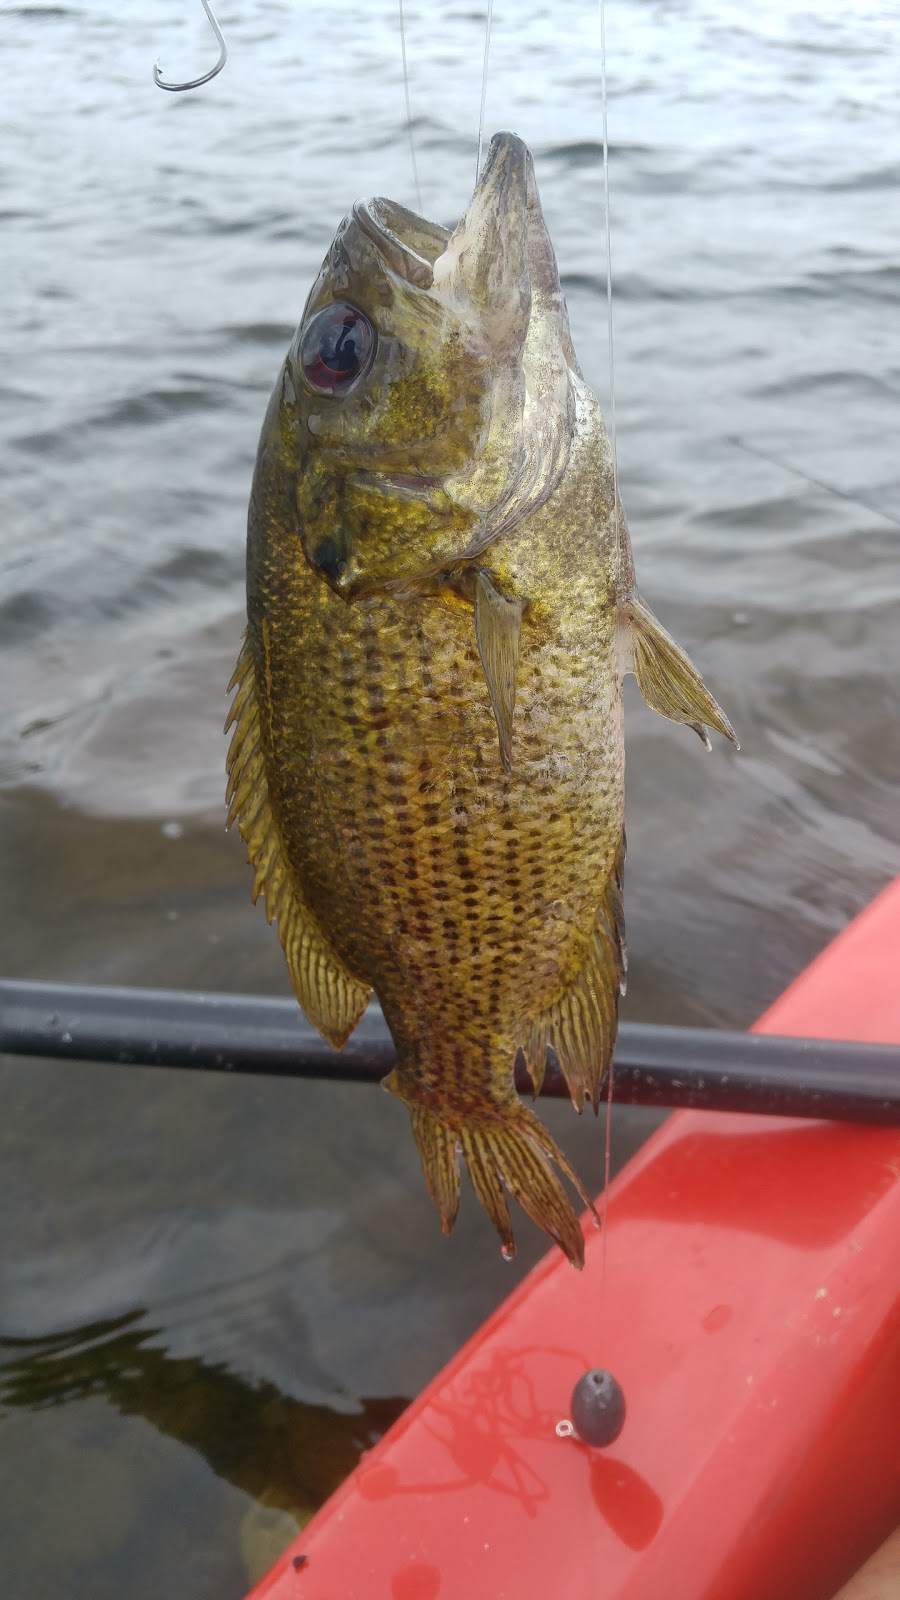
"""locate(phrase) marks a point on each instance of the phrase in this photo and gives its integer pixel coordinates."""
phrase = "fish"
(427, 763)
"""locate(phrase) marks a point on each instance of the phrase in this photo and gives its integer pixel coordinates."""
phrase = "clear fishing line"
(609, 315)
(852, 498)
(409, 125)
(607, 1141)
(484, 78)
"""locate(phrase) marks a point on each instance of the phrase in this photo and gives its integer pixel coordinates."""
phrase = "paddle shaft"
(706, 1068)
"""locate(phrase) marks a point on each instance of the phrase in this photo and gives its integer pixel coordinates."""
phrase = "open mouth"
(413, 247)
(410, 244)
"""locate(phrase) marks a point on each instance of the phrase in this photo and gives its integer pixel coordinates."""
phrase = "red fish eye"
(337, 347)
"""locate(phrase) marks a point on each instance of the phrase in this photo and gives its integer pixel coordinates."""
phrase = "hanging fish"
(427, 764)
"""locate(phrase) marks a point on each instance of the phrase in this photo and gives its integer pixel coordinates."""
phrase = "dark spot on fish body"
(328, 558)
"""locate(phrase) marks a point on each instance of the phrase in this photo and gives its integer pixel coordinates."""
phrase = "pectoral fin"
(669, 682)
(498, 624)
(332, 998)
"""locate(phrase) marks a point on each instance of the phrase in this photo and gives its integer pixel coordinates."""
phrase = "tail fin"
(506, 1148)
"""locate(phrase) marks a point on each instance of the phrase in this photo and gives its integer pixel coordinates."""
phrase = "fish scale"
(486, 859)
(428, 764)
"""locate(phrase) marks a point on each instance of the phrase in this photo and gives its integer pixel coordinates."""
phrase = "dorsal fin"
(331, 997)
(581, 1025)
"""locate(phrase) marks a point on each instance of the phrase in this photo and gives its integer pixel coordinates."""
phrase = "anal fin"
(332, 998)
(667, 679)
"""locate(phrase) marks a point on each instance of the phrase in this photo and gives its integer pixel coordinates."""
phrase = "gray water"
(213, 1295)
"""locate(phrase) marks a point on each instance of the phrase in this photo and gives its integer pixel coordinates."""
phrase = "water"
(214, 1294)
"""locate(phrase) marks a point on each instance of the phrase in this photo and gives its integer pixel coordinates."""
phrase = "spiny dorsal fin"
(331, 997)
(498, 624)
(581, 1025)
(667, 679)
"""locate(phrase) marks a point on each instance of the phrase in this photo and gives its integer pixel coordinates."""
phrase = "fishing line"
(484, 78)
(807, 477)
(409, 124)
(609, 312)
(607, 1138)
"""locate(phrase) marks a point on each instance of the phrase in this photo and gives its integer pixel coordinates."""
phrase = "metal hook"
(195, 83)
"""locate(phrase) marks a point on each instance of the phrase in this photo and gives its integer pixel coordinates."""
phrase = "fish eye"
(337, 347)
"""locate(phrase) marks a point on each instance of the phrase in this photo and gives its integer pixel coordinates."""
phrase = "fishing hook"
(195, 83)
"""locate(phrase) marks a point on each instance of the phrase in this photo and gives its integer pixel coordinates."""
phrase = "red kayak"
(752, 1317)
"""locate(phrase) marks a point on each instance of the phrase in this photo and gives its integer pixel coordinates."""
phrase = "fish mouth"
(409, 243)
(506, 181)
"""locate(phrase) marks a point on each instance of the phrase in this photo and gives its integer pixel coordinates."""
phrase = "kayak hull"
(750, 1311)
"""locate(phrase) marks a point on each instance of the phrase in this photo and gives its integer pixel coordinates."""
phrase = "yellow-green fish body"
(428, 763)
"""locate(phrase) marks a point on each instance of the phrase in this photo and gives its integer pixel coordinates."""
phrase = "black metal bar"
(655, 1066)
